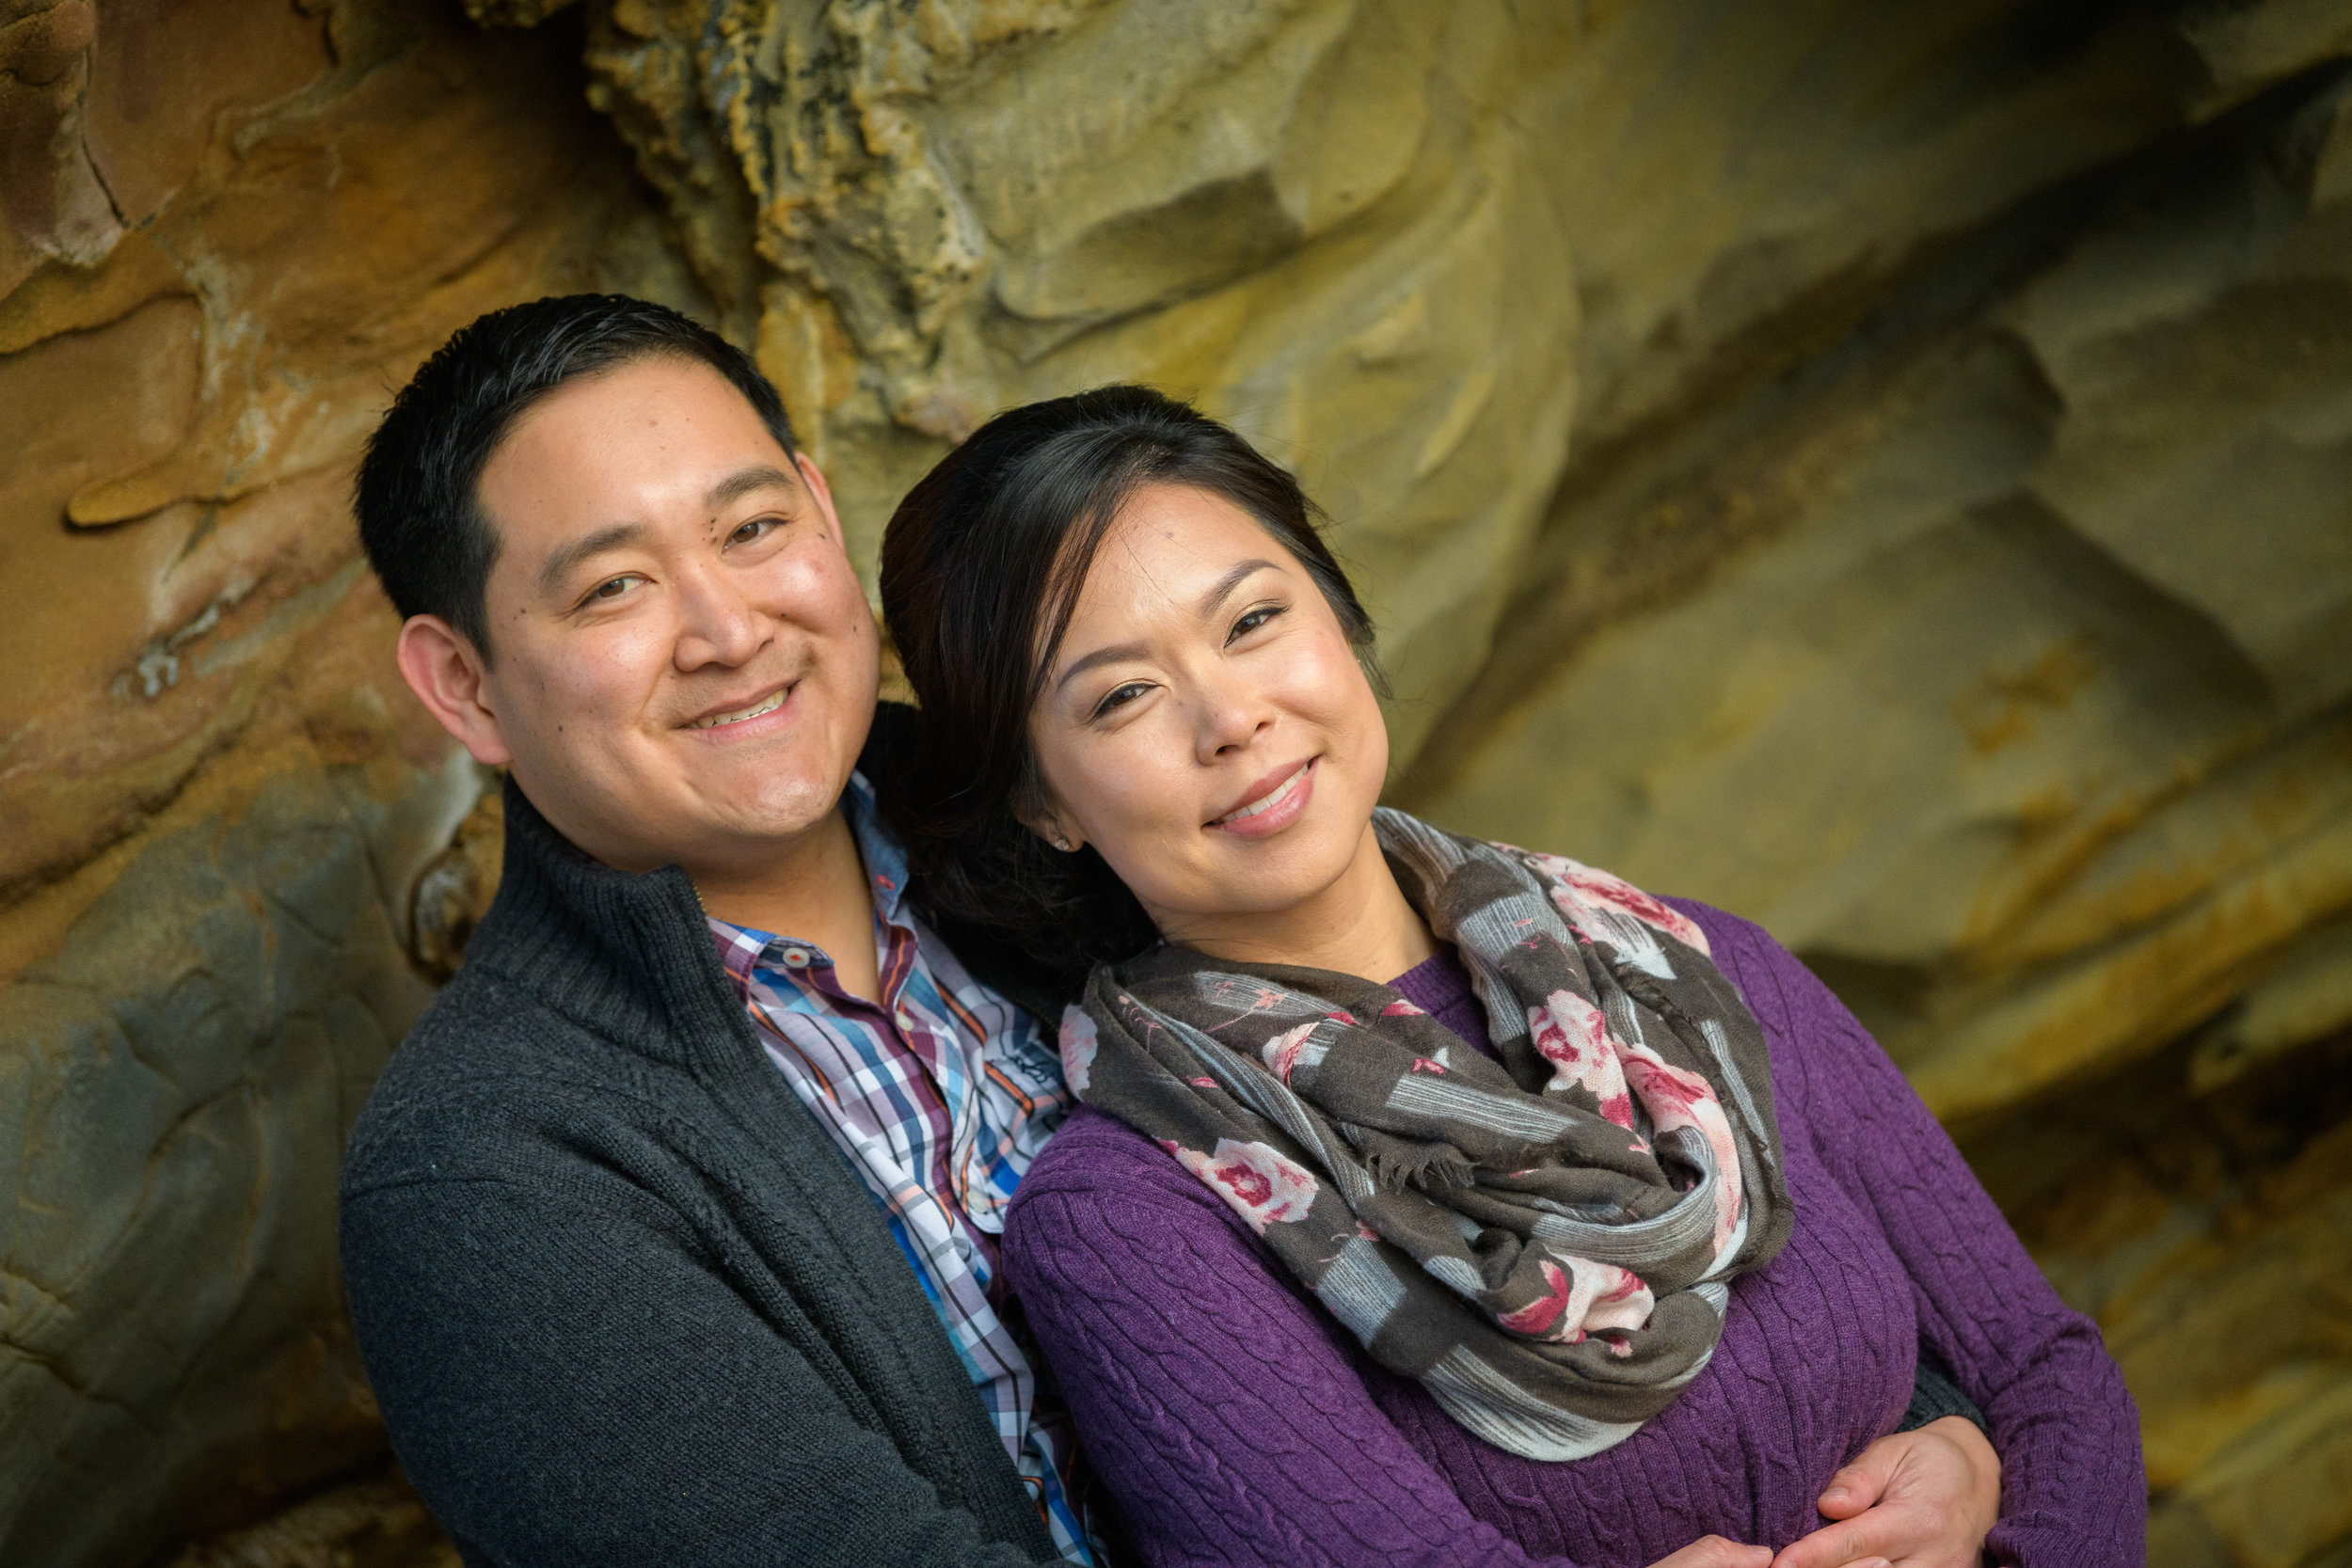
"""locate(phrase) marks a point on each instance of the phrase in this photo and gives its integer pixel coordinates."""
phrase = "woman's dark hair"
(980, 570)
(421, 518)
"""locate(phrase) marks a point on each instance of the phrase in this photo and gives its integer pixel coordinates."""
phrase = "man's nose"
(717, 624)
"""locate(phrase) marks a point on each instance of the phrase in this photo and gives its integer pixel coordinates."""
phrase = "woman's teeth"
(1269, 800)
(768, 704)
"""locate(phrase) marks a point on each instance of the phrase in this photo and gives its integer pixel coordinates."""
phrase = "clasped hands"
(1916, 1499)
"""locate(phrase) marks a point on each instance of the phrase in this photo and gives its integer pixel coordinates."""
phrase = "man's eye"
(612, 589)
(745, 533)
(1121, 696)
(1252, 620)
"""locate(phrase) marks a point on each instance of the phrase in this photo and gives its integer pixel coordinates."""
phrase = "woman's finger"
(1714, 1551)
(1845, 1545)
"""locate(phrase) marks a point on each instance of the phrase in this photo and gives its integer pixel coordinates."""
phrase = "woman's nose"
(1233, 714)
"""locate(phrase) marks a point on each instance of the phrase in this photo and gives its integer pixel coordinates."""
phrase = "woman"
(1434, 1201)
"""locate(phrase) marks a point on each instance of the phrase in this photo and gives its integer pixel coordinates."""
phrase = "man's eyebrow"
(741, 482)
(567, 559)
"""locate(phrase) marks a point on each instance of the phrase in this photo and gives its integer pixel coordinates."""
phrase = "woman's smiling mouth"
(1274, 809)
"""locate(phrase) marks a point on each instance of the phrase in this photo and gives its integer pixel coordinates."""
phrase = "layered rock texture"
(1886, 469)
(232, 229)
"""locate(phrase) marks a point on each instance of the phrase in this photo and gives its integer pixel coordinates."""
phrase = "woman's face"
(1205, 725)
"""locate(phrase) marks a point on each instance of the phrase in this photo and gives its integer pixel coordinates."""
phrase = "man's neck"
(816, 892)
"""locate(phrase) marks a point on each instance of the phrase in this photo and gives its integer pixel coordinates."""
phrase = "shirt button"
(796, 958)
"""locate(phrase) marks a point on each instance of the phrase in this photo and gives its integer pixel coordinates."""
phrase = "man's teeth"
(769, 704)
(1267, 803)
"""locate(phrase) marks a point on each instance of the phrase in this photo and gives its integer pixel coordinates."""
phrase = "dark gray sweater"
(621, 1299)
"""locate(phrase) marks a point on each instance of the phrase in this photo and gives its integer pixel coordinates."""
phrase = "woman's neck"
(1360, 925)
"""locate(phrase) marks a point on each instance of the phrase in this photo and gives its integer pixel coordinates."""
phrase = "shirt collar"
(886, 858)
(742, 947)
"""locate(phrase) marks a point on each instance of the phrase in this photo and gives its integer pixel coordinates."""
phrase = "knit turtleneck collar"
(630, 957)
(626, 955)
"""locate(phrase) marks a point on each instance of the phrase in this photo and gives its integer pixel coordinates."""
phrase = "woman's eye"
(1121, 696)
(1252, 620)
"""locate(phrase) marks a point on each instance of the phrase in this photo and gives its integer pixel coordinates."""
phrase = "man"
(669, 1230)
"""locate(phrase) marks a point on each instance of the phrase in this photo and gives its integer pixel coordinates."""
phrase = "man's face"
(683, 664)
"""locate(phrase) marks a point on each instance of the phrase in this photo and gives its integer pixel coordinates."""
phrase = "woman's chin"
(1259, 880)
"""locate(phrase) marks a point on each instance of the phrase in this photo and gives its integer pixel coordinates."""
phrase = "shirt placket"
(911, 1116)
(886, 1015)
(924, 1045)
(934, 1043)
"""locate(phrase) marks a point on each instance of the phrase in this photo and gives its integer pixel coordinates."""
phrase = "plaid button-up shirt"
(939, 1094)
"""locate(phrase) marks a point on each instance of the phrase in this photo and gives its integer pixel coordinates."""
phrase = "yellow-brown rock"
(2205, 1227)
(232, 231)
(2007, 677)
(1329, 221)
(1887, 470)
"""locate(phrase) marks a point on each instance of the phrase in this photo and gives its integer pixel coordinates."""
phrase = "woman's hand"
(1714, 1551)
(1918, 1499)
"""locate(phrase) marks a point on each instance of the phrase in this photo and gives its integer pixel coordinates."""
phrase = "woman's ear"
(1034, 808)
(1048, 826)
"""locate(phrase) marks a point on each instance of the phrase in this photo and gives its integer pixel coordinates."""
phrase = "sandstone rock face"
(2004, 662)
(1887, 470)
(2204, 1227)
(1328, 221)
(232, 231)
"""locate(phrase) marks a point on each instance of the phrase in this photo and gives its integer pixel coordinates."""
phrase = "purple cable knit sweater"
(1238, 1423)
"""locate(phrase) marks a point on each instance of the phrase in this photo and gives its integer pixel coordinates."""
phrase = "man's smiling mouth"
(769, 703)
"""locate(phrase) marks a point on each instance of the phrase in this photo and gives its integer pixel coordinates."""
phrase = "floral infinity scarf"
(1545, 1240)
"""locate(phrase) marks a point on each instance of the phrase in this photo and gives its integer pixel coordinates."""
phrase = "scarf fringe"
(1394, 1163)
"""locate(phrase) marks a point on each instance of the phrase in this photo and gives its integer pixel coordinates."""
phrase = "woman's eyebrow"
(1223, 588)
(1218, 592)
(1099, 656)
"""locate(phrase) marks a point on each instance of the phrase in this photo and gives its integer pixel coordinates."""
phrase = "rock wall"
(1886, 469)
(231, 228)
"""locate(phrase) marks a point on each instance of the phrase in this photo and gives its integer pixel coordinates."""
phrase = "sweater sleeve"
(569, 1386)
(1225, 1411)
(2073, 1491)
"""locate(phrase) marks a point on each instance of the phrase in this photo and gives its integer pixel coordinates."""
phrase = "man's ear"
(446, 672)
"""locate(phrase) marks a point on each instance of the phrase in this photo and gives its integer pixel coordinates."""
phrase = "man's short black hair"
(421, 518)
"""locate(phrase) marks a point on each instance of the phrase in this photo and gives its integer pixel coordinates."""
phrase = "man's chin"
(698, 823)
(781, 809)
